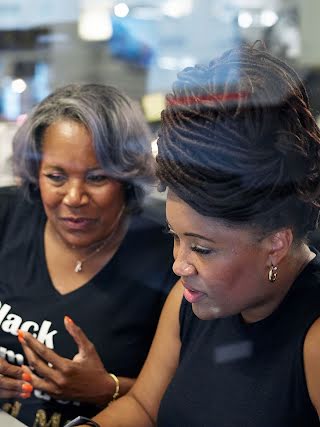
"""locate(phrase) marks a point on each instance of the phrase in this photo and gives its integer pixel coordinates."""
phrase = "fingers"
(8, 370)
(9, 394)
(41, 368)
(40, 383)
(39, 356)
(82, 341)
(53, 385)
(10, 387)
(14, 382)
(45, 378)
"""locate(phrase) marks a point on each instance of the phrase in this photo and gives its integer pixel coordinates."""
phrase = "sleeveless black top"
(233, 374)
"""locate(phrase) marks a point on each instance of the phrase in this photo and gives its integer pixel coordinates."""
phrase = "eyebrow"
(60, 168)
(47, 166)
(199, 236)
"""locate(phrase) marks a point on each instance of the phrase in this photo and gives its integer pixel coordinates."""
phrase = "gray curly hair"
(120, 135)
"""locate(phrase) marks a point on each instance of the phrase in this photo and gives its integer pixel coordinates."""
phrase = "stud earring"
(273, 273)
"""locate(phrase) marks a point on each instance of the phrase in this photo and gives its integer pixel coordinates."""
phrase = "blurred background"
(138, 46)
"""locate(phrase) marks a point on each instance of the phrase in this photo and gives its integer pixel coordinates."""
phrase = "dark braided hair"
(238, 143)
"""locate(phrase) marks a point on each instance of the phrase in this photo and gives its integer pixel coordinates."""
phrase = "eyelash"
(97, 178)
(195, 248)
(59, 178)
(200, 250)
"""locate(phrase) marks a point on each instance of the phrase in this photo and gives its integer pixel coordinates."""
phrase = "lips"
(192, 295)
(77, 223)
(76, 219)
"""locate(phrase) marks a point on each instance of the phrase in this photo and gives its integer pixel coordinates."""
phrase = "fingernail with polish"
(27, 387)
(68, 319)
(25, 395)
(26, 377)
(21, 336)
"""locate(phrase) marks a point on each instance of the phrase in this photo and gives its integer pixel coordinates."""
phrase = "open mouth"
(192, 295)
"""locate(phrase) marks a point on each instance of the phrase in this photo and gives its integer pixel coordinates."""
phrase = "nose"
(181, 267)
(75, 194)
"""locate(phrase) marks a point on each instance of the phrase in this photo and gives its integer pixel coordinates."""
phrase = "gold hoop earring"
(273, 273)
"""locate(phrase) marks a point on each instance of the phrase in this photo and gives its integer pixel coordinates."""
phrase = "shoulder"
(14, 197)
(305, 291)
(15, 209)
(150, 235)
(311, 346)
(311, 356)
(9, 199)
(148, 254)
(9, 193)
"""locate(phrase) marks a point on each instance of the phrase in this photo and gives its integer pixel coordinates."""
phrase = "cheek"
(49, 196)
(106, 203)
(221, 280)
(225, 275)
(246, 276)
(107, 197)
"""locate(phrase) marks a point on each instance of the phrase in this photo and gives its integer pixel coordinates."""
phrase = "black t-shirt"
(118, 309)
(233, 374)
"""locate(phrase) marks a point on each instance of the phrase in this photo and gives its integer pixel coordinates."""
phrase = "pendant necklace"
(79, 263)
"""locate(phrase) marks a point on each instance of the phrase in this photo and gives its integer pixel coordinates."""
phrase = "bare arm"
(139, 408)
(125, 385)
(311, 354)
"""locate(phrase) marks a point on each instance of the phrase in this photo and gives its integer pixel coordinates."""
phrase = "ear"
(279, 245)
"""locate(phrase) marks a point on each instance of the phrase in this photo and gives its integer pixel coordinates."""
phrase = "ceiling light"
(268, 18)
(245, 19)
(18, 85)
(95, 22)
(121, 10)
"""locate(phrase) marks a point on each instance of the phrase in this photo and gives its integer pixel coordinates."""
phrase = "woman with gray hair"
(84, 274)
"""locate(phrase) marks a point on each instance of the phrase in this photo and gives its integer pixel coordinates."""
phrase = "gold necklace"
(79, 263)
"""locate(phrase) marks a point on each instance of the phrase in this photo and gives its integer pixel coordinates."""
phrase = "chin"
(208, 313)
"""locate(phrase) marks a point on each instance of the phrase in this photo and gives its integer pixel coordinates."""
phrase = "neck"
(301, 259)
(289, 269)
(115, 235)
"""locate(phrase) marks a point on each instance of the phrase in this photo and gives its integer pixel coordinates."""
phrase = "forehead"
(184, 219)
(68, 142)
(182, 216)
(66, 131)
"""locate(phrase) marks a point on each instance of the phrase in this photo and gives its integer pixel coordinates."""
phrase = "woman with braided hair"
(238, 343)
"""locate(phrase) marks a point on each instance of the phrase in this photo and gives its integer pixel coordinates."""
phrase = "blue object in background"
(123, 44)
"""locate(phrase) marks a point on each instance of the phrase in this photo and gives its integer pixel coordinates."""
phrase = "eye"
(57, 178)
(201, 250)
(97, 178)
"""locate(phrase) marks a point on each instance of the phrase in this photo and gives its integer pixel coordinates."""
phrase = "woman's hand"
(14, 382)
(83, 378)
